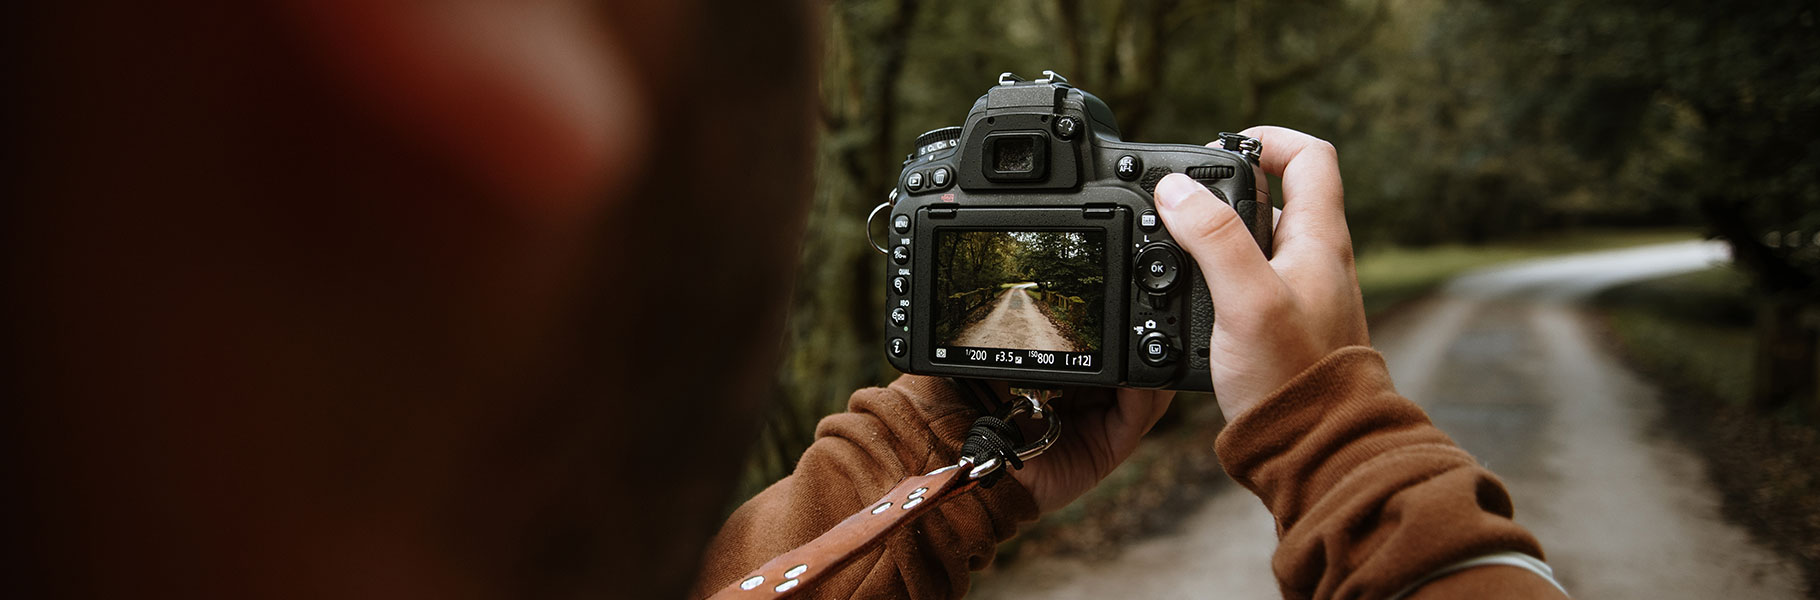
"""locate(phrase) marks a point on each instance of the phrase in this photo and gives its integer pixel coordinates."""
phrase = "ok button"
(1158, 267)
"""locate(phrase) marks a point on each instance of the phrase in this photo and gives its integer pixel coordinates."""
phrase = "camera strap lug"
(989, 447)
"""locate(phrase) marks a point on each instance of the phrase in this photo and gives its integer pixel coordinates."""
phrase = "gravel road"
(1016, 322)
(1504, 361)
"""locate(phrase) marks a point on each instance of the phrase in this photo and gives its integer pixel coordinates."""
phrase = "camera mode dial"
(937, 140)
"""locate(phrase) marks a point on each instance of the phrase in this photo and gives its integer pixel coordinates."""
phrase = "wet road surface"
(1506, 364)
(1015, 322)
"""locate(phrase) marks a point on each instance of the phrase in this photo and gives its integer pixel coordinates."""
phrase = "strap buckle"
(1035, 405)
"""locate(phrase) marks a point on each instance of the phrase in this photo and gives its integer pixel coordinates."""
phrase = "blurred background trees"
(1457, 121)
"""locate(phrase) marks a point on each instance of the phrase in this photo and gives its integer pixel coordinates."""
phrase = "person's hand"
(1100, 429)
(1274, 318)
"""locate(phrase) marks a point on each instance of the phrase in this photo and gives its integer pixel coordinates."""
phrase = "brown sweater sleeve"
(915, 425)
(1369, 497)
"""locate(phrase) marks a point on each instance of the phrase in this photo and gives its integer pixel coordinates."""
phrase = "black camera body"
(1025, 246)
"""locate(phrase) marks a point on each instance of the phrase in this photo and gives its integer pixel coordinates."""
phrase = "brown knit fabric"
(1369, 497)
(914, 426)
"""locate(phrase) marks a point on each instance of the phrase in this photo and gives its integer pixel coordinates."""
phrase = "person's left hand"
(1100, 429)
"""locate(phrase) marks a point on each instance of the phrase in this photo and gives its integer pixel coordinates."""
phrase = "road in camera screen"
(1016, 322)
(1024, 290)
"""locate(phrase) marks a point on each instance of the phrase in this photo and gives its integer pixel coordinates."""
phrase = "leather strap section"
(802, 568)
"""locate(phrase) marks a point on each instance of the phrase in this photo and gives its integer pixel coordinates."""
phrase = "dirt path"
(1504, 362)
(1015, 322)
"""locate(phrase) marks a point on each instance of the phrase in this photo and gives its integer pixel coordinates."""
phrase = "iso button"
(1159, 266)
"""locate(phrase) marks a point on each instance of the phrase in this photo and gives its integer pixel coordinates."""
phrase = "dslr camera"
(1025, 246)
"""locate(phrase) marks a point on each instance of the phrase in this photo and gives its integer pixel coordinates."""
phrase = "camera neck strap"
(993, 443)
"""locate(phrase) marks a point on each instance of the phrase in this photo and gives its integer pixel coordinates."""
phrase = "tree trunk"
(1788, 348)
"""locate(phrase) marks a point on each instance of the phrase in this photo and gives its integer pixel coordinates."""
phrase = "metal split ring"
(1035, 404)
(882, 207)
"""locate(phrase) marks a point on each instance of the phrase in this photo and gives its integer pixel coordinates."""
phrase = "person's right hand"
(1273, 318)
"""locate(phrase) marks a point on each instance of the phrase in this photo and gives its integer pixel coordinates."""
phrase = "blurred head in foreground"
(351, 298)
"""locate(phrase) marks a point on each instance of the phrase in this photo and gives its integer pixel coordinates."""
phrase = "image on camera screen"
(1032, 299)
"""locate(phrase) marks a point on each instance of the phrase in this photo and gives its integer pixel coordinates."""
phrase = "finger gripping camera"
(1025, 246)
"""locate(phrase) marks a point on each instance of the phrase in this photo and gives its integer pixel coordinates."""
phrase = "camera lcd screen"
(1020, 299)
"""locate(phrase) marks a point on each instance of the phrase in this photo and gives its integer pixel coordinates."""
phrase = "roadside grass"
(1175, 467)
(1692, 334)
(1393, 276)
(1696, 326)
